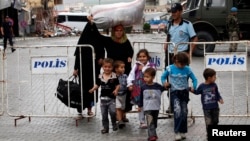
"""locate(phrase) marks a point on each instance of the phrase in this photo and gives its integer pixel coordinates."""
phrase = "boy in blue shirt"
(210, 96)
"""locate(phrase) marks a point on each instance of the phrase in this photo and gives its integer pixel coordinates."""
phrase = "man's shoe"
(13, 50)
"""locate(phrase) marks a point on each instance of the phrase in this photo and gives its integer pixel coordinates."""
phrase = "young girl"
(178, 73)
(135, 80)
(109, 89)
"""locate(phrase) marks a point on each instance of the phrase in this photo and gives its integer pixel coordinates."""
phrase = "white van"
(73, 19)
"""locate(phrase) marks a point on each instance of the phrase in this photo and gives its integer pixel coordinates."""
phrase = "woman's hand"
(75, 72)
(100, 61)
(91, 90)
(129, 59)
(90, 18)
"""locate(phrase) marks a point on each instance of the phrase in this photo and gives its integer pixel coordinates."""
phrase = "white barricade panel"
(232, 78)
(33, 79)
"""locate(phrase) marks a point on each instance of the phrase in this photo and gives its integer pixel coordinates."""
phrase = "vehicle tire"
(204, 36)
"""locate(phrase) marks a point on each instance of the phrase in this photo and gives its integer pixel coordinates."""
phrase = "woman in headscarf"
(118, 47)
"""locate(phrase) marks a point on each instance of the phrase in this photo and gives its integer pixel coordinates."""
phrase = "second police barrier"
(232, 75)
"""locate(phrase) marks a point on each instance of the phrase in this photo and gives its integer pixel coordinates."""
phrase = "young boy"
(150, 101)
(119, 67)
(109, 89)
(209, 97)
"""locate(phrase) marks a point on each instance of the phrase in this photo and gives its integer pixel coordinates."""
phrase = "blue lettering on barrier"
(156, 60)
(227, 60)
(50, 64)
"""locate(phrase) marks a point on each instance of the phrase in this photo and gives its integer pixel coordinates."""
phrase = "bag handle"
(75, 78)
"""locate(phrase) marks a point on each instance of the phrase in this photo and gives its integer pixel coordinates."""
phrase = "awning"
(4, 4)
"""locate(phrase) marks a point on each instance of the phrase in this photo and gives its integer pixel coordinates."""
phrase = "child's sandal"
(90, 113)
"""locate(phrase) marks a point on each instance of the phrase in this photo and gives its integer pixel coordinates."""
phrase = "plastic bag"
(125, 13)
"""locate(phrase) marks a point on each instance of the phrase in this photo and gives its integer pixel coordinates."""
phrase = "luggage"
(73, 98)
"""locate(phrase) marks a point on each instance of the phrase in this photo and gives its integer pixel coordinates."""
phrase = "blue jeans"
(211, 117)
(152, 117)
(179, 101)
(108, 107)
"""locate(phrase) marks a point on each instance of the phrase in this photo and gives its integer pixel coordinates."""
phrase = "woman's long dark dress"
(90, 35)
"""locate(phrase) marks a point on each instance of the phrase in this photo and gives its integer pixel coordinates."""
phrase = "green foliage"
(146, 27)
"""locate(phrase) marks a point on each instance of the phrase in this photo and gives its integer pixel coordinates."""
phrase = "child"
(209, 97)
(119, 67)
(178, 73)
(150, 100)
(135, 80)
(109, 89)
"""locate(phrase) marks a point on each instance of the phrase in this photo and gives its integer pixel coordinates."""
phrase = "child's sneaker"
(153, 138)
(104, 131)
(183, 135)
(121, 124)
(143, 126)
(115, 128)
(177, 136)
(13, 50)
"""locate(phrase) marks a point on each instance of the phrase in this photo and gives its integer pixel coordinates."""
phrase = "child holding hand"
(109, 89)
(178, 74)
(135, 80)
(150, 102)
(210, 96)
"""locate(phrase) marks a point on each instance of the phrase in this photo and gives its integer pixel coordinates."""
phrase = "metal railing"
(32, 80)
(232, 79)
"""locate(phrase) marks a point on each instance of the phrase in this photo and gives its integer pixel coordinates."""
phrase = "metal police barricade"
(2, 62)
(32, 79)
(232, 77)
(157, 53)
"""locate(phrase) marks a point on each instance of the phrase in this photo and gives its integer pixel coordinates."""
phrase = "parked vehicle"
(73, 20)
(209, 20)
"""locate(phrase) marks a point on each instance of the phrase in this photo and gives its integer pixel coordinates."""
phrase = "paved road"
(27, 97)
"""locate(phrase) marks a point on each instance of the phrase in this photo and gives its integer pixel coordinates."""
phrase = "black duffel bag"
(74, 92)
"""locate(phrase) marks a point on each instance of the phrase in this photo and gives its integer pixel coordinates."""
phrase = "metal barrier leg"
(21, 117)
(77, 119)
